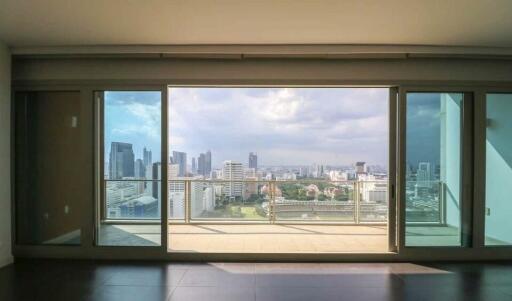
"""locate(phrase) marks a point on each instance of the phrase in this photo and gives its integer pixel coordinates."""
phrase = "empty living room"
(256, 150)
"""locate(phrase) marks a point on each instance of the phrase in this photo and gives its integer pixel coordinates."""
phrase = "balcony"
(264, 216)
(270, 202)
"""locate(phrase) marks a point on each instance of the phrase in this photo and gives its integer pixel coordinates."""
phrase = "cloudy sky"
(424, 125)
(133, 117)
(423, 128)
(284, 126)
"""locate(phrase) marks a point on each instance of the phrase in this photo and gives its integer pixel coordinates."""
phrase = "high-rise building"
(176, 194)
(140, 169)
(121, 161)
(253, 160)
(147, 158)
(180, 158)
(208, 162)
(201, 164)
(233, 171)
(173, 171)
(194, 165)
(157, 175)
(319, 170)
(204, 164)
(360, 167)
(196, 198)
(424, 175)
(304, 172)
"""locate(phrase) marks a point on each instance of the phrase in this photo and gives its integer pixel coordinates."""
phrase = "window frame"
(481, 165)
(88, 249)
(467, 227)
(99, 180)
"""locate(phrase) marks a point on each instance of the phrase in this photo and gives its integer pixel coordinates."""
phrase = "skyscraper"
(121, 161)
(180, 158)
(204, 164)
(424, 174)
(194, 165)
(201, 164)
(208, 162)
(319, 170)
(173, 171)
(233, 171)
(140, 169)
(360, 167)
(157, 175)
(253, 160)
(147, 158)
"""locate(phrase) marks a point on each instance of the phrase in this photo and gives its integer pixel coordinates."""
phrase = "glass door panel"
(130, 201)
(498, 174)
(433, 169)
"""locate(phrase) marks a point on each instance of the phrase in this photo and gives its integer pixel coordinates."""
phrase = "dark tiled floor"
(104, 280)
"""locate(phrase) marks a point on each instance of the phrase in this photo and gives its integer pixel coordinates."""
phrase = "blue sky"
(285, 126)
(133, 117)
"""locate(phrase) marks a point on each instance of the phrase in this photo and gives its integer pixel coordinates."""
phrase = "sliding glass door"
(498, 169)
(433, 169)
(129, 211)
(278, 169)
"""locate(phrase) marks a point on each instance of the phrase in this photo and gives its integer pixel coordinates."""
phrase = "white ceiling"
(164, 22)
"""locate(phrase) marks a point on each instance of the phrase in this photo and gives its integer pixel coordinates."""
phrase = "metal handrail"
(272, 195)
(357, 200)
(132, 180)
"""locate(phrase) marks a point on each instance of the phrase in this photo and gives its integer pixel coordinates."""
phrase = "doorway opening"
(278, 170)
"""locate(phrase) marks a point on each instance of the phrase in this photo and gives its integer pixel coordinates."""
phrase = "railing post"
(442, 203)
(356, 200)
(272, 203)
(187, 201)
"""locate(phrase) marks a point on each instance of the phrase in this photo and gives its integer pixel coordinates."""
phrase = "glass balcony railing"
(425, 202)
(278, 201)
(227, 200)
(132, 199)
(372, 201)
(271, 201)
(315, 201)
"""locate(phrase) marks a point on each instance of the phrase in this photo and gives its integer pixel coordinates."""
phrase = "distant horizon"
(259, 165)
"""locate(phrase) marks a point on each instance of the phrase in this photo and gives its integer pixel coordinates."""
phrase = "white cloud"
(146, 120)
(332, 125)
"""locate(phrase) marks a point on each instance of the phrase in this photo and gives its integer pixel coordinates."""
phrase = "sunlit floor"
(156, 280)
(251, 238)
(277, 238)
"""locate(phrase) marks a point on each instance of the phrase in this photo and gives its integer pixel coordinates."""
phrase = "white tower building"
(233, 171)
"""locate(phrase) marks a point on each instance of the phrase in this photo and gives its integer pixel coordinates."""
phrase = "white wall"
(5, 169)
(498, 194)
(450, 155)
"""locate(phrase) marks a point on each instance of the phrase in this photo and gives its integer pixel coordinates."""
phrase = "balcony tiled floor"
(277, 238)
